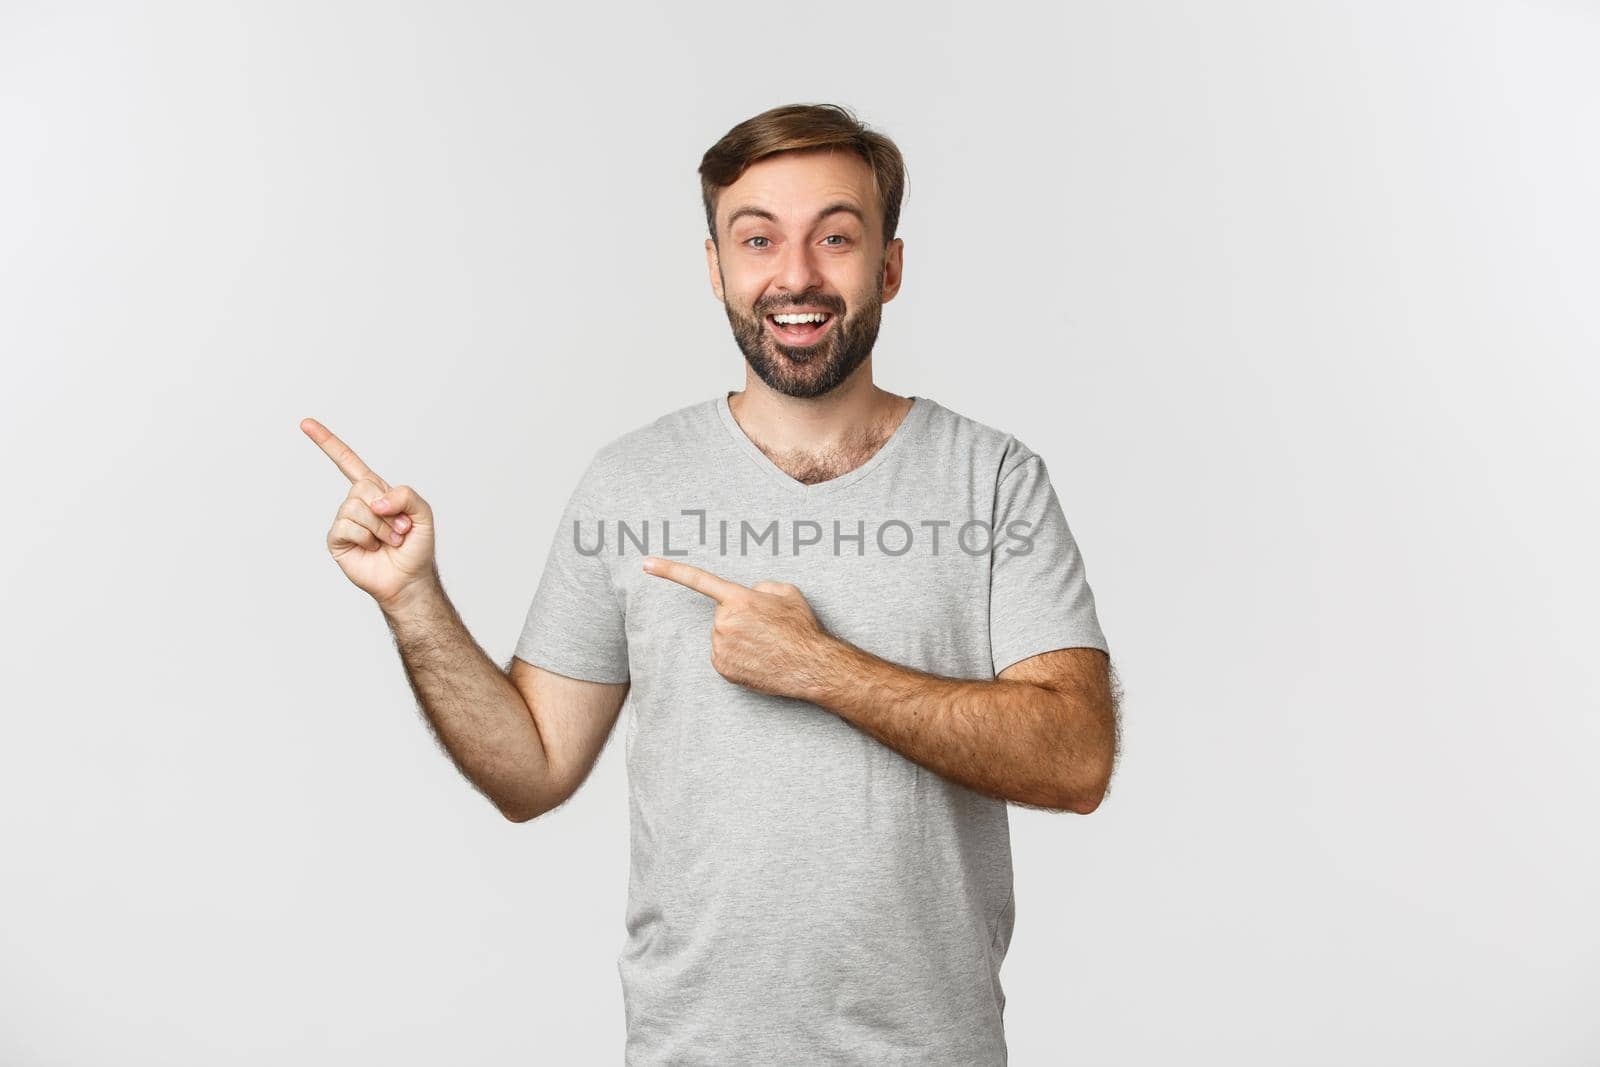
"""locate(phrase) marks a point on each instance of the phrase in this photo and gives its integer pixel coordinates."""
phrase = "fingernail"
(402, 523)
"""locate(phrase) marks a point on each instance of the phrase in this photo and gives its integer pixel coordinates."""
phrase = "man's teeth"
(790, 320)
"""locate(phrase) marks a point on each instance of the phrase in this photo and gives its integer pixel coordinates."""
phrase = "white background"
(1298, 301)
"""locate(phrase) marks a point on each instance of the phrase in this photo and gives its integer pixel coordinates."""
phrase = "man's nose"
(798, 270)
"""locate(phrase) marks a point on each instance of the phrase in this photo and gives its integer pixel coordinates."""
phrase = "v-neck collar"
(909, 426)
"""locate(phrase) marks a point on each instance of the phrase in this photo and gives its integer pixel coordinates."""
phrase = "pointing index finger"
(344, 457)
(718, 589)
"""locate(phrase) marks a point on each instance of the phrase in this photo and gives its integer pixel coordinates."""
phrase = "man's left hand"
(763, 636)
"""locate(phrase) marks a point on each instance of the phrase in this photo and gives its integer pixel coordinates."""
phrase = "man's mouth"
(800, 328)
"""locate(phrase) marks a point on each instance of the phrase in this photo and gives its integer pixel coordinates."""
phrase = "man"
(853, 625)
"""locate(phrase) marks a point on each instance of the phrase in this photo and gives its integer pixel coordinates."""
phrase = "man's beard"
(815, 369)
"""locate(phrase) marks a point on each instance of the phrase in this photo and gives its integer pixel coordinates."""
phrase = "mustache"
(829, 304)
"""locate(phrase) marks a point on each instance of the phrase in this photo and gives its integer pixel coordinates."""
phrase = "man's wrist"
(832, 667)
(420, 598)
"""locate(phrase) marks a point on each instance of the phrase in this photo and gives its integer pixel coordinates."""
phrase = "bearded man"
(851, 625)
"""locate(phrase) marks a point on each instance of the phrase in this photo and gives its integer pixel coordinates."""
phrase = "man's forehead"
(800, 185)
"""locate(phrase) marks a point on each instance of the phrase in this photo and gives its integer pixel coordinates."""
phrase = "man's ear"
(893, 264)
(714, 269)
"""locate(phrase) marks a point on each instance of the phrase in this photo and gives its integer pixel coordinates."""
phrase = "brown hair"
(797, 127)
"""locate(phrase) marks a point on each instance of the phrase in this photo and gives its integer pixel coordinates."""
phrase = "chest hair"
(812, 466)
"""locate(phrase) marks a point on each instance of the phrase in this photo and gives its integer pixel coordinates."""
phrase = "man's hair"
(799, 127)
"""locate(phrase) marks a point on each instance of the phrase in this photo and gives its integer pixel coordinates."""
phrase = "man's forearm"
(1007, 739)
(476, 714)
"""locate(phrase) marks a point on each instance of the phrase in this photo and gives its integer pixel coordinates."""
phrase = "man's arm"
(575, 717)
(486, 720)
(1042, 734)
(526, 742)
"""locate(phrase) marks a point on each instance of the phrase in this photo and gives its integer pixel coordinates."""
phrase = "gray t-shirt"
(800, 892)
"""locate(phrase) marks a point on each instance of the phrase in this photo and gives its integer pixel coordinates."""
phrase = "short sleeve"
(1039, 595)
(575, 624)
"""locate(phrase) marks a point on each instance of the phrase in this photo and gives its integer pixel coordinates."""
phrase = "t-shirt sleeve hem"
(570, 666)
(1006, 657)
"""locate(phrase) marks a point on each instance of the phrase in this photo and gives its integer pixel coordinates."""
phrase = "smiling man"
(794, 330)
(850, 625)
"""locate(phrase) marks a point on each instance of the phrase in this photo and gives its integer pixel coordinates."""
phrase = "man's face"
(801, 232)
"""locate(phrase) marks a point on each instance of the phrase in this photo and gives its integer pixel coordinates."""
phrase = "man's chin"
(803, 373)
(797, 377)
(805, 357)
(813, 357)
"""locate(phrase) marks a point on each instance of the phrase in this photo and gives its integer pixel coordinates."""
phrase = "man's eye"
(756, 239)
(842, 238)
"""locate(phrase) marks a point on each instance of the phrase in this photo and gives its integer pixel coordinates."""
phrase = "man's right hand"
(382, 535)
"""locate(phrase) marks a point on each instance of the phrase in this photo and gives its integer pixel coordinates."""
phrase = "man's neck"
(786, 423)
(817, 438)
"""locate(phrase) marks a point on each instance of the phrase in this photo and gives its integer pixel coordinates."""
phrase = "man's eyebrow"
(831, 209)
